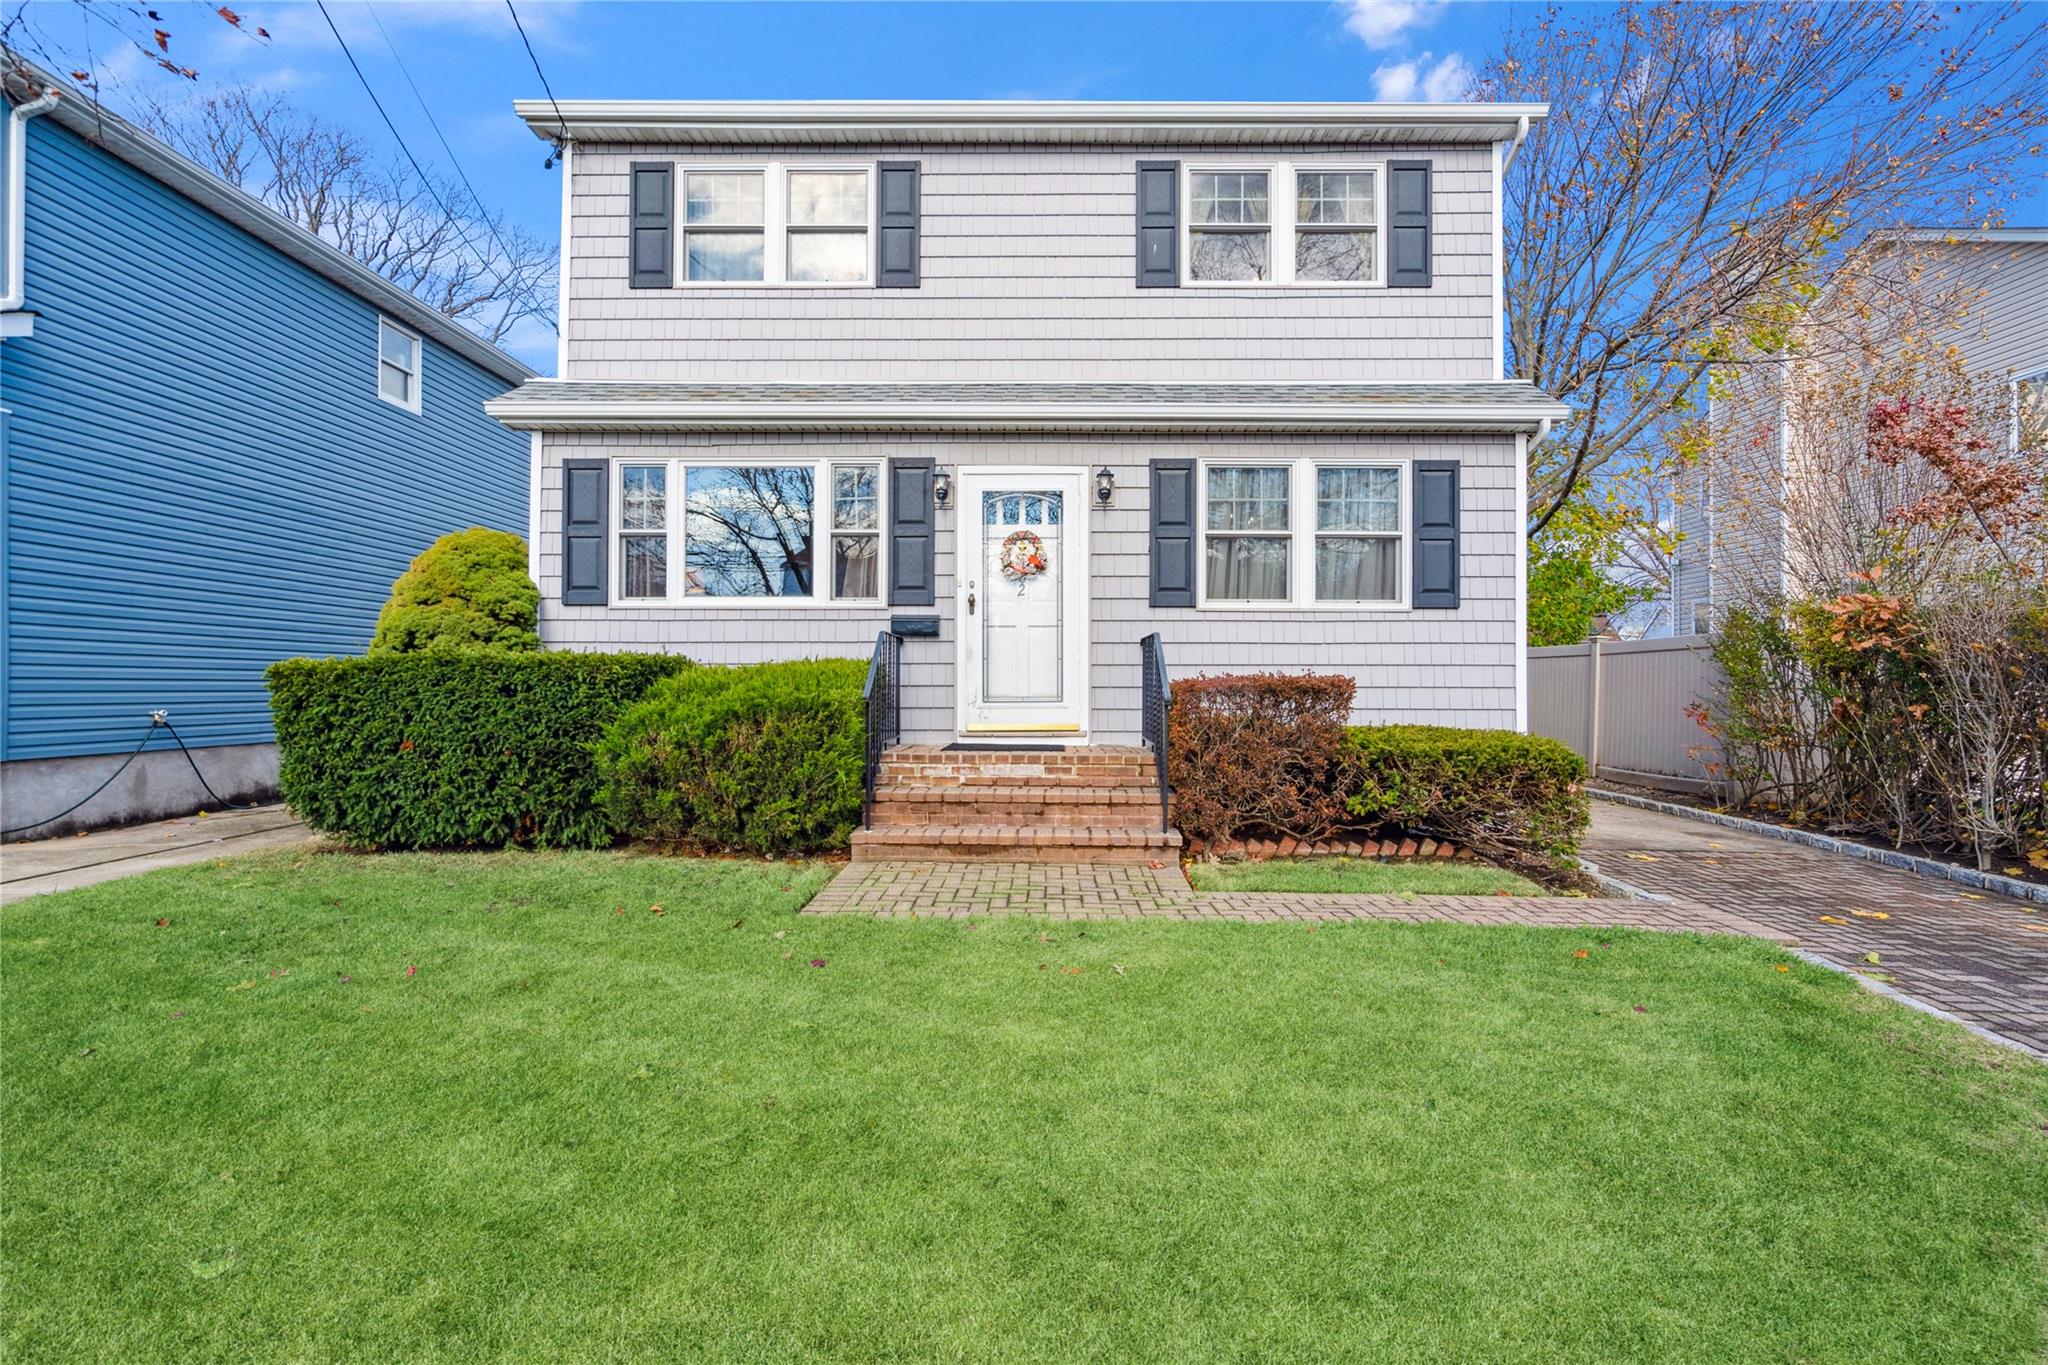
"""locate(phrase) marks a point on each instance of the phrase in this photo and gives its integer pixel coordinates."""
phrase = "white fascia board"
(656, 416)
(1016, 120)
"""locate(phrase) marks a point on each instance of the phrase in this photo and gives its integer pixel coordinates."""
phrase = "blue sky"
(469, 64)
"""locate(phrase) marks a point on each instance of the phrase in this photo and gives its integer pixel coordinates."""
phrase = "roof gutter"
(572, 415)
(17, 197)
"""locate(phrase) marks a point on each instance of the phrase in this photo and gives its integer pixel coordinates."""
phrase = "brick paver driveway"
(1136, 891)
(1981, 957)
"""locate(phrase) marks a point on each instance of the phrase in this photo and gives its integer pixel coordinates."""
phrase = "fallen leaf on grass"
(245, 985)
(163, 924)
(788, 953)
(1500, 891)
(1640, 1009)
(1783, 968)
(781, 934)
(1117, 967)
(214, 1269)
(817, 962)
(1580, 952)
(1071, 971)
(736, 924)
(410, 970)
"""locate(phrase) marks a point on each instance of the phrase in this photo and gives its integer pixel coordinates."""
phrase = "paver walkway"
(34, 866)
(953, 890)
(1978, 956)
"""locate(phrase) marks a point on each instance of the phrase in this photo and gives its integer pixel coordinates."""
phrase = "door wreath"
(1023, 555)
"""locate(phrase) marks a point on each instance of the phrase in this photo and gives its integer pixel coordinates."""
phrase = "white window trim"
(419, 365)
(775, 225)
(2012, 398)
(820, 598)
(1302, 534)
(1281, 209)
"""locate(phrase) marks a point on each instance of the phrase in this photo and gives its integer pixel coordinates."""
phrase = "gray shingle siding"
(1446, 667)
(1027, 274)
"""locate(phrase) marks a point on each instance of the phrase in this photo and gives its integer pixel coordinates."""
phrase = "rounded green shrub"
(468, 590)
(765, 758)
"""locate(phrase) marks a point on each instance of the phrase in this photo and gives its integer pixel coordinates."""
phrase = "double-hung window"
(398, 365)
(1285, 224)
(776, 224)
(1304, 533)
(715, 532)
(725, 226)
(1230, 227)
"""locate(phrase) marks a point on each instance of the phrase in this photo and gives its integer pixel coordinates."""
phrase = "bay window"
(1304, 533)
(747, 532)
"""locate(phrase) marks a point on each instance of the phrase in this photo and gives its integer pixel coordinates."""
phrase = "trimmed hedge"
(765, 758)
(1514, 798)
(1258, 752)
(453, 749)
(1264, 754)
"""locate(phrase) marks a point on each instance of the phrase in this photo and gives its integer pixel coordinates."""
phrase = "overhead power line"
(561, 124)
(454, 222)
(483, 212)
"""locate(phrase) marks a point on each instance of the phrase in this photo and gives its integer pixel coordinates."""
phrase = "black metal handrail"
(1158, 698)
(882, 695)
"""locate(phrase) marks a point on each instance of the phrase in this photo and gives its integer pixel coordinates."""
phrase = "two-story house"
(1028, 382)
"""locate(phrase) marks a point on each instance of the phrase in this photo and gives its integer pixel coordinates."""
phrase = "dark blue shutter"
(1173, 533)
(1408, 224)
(651, 216)
(896, 212)
(910, 533)
(585, 487)
(1158, 224)
(1434, 504)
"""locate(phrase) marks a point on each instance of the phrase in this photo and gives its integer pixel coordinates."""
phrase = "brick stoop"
(1081, 805)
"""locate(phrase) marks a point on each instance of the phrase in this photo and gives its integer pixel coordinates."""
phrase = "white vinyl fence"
(1621, 704)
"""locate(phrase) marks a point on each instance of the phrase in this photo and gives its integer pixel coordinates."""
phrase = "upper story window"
(2030, 411)
(777, 224)
(1230, 235)
(398, 365)
(1285, 224)
(1304, 533)
(725, 226)
(744, 532)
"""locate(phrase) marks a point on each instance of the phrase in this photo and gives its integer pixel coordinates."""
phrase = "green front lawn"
(1361, 876)
(450, 1108)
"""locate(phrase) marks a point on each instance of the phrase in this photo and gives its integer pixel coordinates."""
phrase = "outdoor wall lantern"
(1105, 487)
(942, 487)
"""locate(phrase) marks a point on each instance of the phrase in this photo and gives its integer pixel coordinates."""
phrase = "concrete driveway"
(33, 867)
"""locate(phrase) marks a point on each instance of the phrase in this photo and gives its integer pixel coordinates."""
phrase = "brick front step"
(1012, 843)
(1097, 766)
(1130, 807)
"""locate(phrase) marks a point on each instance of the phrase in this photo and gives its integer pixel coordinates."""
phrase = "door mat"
(1005, 748)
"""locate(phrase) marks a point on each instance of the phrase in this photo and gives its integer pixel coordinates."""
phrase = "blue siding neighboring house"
(200, 475)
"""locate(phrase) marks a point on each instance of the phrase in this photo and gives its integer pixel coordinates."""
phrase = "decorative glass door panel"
(1022, 600)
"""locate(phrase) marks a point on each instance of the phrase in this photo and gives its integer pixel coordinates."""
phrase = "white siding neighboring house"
(1745, 501)
(1028, 382)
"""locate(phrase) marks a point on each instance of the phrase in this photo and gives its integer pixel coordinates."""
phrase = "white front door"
(1022, 586)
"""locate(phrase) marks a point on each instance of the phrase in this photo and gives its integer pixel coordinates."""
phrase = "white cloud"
(1441, 82)
(1379, 24)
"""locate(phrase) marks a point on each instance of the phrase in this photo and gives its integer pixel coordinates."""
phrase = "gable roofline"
(2010, 235)
(104, 129)
(1072, 122)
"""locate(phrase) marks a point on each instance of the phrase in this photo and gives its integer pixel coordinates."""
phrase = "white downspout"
(17, 196)
(1521, 136)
